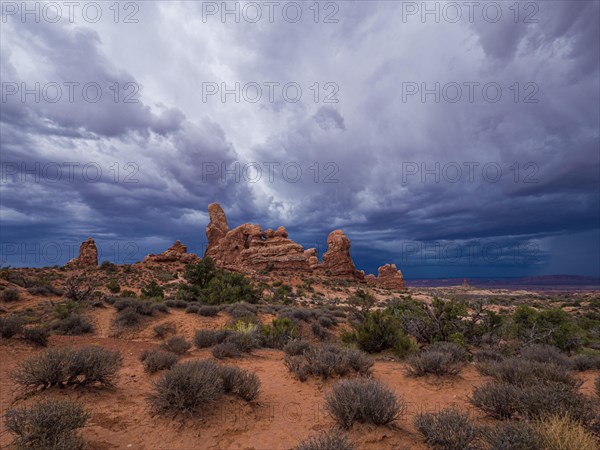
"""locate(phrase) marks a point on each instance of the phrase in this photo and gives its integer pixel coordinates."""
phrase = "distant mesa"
(88, 255)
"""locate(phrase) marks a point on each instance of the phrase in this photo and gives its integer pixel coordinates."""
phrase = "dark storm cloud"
(357, 156)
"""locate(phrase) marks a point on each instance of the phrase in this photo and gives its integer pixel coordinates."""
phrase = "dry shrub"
(208, 338)
(449, 429)
(38, 336)
(520, 372)
(433, 362)
(240, 382)
(296, 347)
(327, 440)
(187, 388)
(165, 329)
(226, 350)
(325, 361)
(50, 425)
(58, 366)
(177, 345)
(73, 325)
(156, 360)
(10, 326)
(562, 433)
(511, 435)
(363, 400)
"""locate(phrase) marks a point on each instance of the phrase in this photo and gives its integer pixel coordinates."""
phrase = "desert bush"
(488, 354)
(449, 429)
(326, 361)
(544, 353)
(457, 352)
(363, 400)
(245, 341)
(164, 329)
(433, 362)
(320, 333)
(152, 290)
(376, 331)
(187, 388)
(180, 304)
(38, 336)
(520, 372)
(208, 338)
(129, 317)
(242, 383)
(50, 425)
(156, 360)
(511, 435)
(597, 386)
(226, 350)
(73, 325)
(58, 366)
(77, 290)
(10, 295)
(327, 321)
(209, 310)
(228, 287)
(279, 333)
(201, 273)
(192, 309)
(243, 311)
(10, 326)
(296, 347)
(177, 345)
(160, 307)
(585, 362)
(113, 286)
(128, 294)
(559, 432)
(89, 365)
(503, 400)
(327, 440)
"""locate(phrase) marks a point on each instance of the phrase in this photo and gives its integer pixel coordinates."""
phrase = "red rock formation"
(313, 258)
(177, 252)
(337, 260)
(388, 277)
(88, 255)
(248, 247)
(218, 227)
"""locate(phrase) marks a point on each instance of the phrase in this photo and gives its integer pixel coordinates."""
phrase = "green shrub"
(152, 290)
(378, 331)
(449, 429)
(128, 294)
(549, 326)
(279, 333)
(364, 401)
(113, 286)
(327, 440)
(51, 424)
(201, 273)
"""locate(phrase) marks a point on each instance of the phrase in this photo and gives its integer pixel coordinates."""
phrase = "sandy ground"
(285, 412)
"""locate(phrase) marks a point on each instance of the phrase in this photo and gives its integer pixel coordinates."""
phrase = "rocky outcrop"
(217, 227)
(176, 253)
(337, 260)
(248, 247)
(88, 255)
(388, 277)
(313, 258)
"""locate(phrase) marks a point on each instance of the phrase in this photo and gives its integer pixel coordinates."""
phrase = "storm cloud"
(452, 145)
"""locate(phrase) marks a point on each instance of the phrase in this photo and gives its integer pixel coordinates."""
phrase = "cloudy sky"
(454, 141)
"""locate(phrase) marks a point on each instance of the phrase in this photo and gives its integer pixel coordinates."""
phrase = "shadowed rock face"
(88, 255)
(388, 277)
(337, 260)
